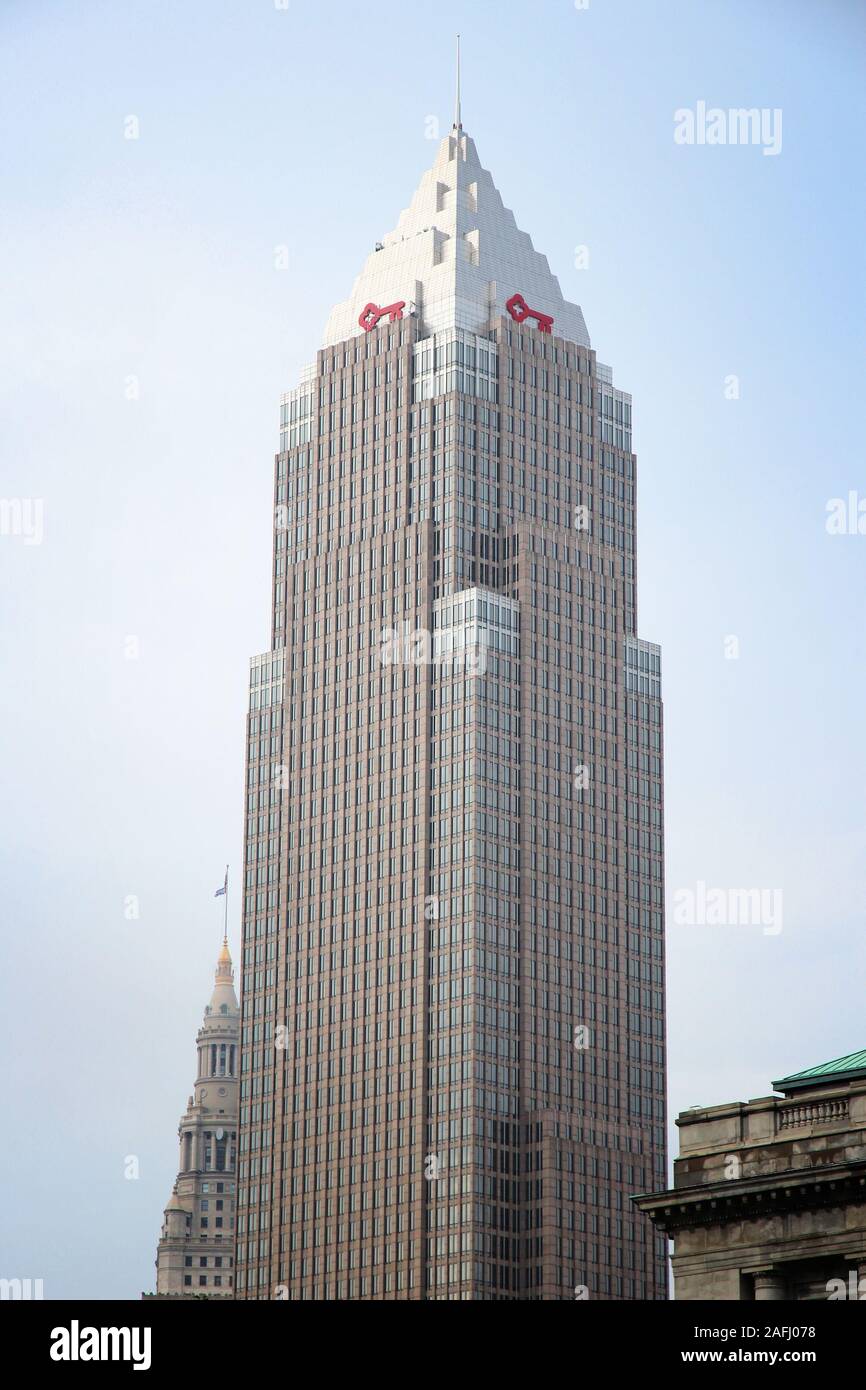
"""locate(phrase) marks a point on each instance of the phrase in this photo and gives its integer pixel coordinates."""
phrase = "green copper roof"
(842, 1069)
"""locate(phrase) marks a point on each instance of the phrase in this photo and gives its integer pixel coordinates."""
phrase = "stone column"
(769, 1285)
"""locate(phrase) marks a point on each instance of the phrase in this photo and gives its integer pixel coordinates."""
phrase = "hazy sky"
(146, 268)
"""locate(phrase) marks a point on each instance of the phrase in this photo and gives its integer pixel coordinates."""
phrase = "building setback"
(196, 1247)
(452, 1048)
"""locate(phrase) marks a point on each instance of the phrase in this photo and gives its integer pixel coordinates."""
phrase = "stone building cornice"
(707, 1204)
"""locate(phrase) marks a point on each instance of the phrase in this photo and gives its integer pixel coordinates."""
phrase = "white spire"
(457, 120)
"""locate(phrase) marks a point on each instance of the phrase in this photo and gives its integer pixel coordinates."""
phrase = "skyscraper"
(452, 1073)
(196, 1245)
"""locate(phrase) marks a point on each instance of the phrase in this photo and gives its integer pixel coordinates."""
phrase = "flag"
(220, 892)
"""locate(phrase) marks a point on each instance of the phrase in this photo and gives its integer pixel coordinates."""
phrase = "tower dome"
(224, 1000)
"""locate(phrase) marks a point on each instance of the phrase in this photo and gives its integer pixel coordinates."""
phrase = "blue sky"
(154, 259)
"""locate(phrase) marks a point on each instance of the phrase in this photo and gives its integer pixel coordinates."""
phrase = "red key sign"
(370, 316)
(520, 310)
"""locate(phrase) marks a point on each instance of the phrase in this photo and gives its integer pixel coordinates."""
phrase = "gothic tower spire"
(196, 1248)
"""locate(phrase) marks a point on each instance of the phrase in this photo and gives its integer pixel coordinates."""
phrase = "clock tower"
(196, 1247)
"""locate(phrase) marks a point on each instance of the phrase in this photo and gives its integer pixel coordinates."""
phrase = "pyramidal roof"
(458, 256)
(847, 1068)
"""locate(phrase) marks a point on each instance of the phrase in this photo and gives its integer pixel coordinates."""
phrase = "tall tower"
(453, 1018)
(196, 1246)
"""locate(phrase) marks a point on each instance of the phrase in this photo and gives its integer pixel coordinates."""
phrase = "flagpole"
(226, 917)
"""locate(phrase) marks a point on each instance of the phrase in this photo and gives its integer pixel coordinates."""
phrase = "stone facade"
(769, 1196)
(196, 1248)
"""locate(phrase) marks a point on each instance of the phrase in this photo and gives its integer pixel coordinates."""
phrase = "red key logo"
(520, 310)
(370, 316)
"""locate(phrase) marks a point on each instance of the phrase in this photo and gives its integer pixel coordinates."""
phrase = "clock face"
(220, 1133)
